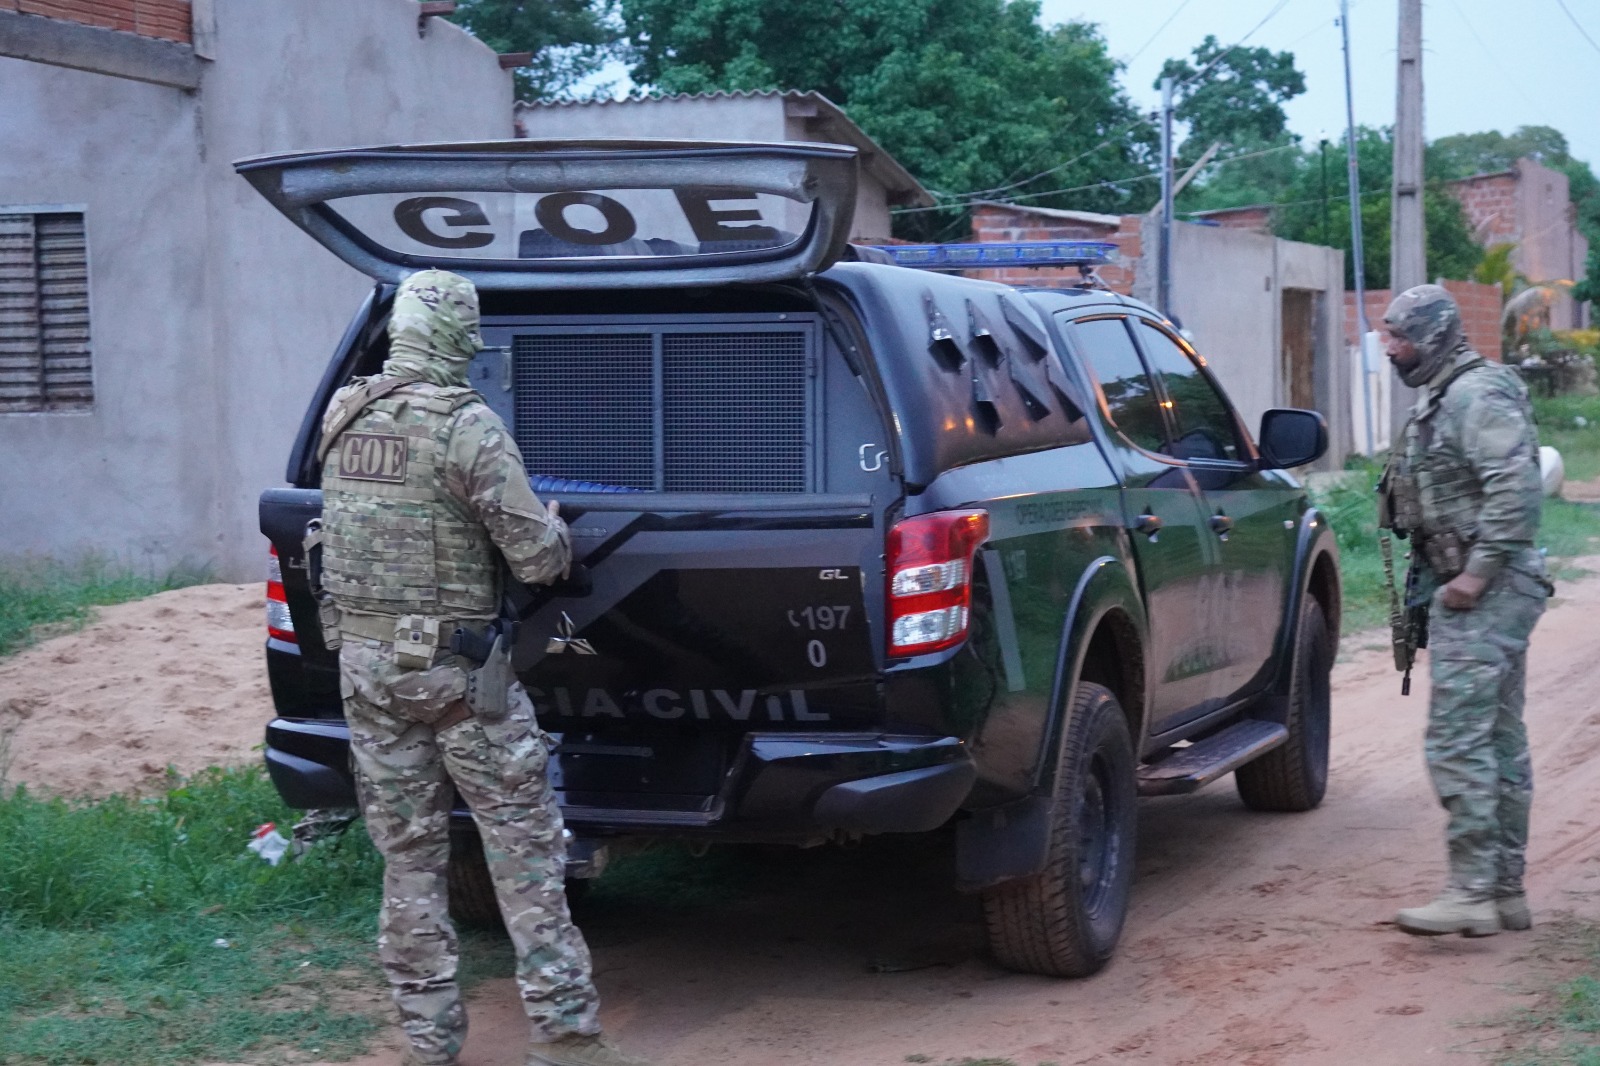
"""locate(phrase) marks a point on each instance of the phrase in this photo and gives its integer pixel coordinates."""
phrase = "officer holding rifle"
(1464, 487)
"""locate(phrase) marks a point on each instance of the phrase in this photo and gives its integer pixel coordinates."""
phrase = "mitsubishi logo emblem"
(563, 640)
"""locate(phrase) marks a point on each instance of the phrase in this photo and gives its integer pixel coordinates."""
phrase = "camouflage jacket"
(415, 490)
(1473, 450)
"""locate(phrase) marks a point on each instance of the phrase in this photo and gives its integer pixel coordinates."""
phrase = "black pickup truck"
(862, 548)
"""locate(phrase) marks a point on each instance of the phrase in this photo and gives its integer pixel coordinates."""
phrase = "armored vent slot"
(707, 407)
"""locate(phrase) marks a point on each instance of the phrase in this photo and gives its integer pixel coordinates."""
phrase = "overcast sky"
(1486, 64)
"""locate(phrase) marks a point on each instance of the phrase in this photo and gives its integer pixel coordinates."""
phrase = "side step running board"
(1203, 762)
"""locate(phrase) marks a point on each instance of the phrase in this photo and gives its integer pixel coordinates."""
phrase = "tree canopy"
(972, 96)
(570, 39)
(1233, 96)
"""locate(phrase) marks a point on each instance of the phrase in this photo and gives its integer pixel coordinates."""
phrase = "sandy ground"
(174, 680)
(1253, 940)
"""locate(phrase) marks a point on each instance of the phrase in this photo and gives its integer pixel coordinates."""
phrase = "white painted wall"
(1228, 295)
(211, 316)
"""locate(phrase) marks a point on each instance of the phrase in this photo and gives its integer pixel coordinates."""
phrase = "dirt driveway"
(1254, 939)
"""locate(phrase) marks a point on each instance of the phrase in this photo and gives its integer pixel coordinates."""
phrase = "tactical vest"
(394, 540)
(1448, 495)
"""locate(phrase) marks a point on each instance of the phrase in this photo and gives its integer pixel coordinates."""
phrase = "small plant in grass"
(36, 593)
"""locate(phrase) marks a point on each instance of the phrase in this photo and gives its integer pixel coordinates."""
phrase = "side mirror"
(1291, 437)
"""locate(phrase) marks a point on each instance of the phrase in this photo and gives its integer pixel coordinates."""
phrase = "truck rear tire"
(1294, 776)
(472, 900)
(1065, 920)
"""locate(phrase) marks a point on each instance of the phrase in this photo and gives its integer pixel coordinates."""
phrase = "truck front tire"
(1294, 776)
(1065, 920)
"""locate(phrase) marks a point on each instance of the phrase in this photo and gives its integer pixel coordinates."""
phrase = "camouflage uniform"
(1468, 491)
(421, 487)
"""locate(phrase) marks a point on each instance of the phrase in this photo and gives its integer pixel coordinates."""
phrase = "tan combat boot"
(1452, 912)
(1514, 913)
(577, 1050)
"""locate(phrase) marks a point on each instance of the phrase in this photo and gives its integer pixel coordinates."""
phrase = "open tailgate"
(530, 214)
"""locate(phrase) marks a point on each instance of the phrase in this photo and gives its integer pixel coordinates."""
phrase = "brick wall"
(1490, 201)
(1480, 313)
(166, 19)
(1257, 218)
(998, 223)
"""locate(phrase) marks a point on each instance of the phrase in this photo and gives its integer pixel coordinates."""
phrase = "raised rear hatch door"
(532, 214)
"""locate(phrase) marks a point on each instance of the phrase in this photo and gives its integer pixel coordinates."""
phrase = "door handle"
(1148, 524)
(1221, 525)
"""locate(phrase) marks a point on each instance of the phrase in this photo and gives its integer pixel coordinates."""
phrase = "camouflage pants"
(1476, 745)
(405, 773)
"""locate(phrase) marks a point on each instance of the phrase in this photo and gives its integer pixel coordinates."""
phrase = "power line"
(1494, 61)
(1223, 54)
(1578, 24)
(1092, 185)
(1142, 120)
(1178, 11)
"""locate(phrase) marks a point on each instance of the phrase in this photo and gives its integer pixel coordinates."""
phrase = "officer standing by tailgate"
(423, 491)
(1465, 488)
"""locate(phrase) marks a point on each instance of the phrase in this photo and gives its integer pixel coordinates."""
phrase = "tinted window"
(1131, 396)
(1205, 428)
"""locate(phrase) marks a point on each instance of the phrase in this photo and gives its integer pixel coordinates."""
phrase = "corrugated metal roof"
(837, 127)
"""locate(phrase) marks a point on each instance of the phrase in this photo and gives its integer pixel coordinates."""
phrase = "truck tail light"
(279, 625)
(930, 579)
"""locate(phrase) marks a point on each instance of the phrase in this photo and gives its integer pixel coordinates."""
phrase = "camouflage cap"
(1428, 317)
(433, 326)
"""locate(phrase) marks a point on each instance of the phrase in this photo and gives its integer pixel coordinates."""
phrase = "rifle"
(1408, 624)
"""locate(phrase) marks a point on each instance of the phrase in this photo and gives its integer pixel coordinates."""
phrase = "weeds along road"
(1253, 940)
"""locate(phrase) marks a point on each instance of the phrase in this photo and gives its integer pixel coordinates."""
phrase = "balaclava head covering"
(1428, 317)
(433, 328)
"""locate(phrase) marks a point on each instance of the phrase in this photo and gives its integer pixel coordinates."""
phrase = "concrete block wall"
(1480, 313)
(170, 20)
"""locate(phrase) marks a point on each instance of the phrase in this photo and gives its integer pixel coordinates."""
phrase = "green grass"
(141, 931)
(1579, 446)
(43, 593)
(1560, 1029)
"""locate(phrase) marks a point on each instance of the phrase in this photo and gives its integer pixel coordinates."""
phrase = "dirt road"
(1254, 940)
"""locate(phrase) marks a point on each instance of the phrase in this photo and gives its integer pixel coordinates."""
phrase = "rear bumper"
(778, 785)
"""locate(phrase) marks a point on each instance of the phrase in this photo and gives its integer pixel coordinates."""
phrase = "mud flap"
(1003, 844)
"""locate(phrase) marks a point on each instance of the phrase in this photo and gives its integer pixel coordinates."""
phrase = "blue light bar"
(1000, 254)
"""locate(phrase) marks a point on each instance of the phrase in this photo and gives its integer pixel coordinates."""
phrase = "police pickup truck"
(862, 547)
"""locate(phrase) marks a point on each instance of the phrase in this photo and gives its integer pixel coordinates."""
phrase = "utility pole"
(1408, 262)
(1322, 155)
(1164, 261)
(1358, 264)
(1408, 250)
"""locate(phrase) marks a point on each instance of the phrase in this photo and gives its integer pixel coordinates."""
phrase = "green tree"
(973, 96)
(570, 39)
(1233, 96)
(1463, 154)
